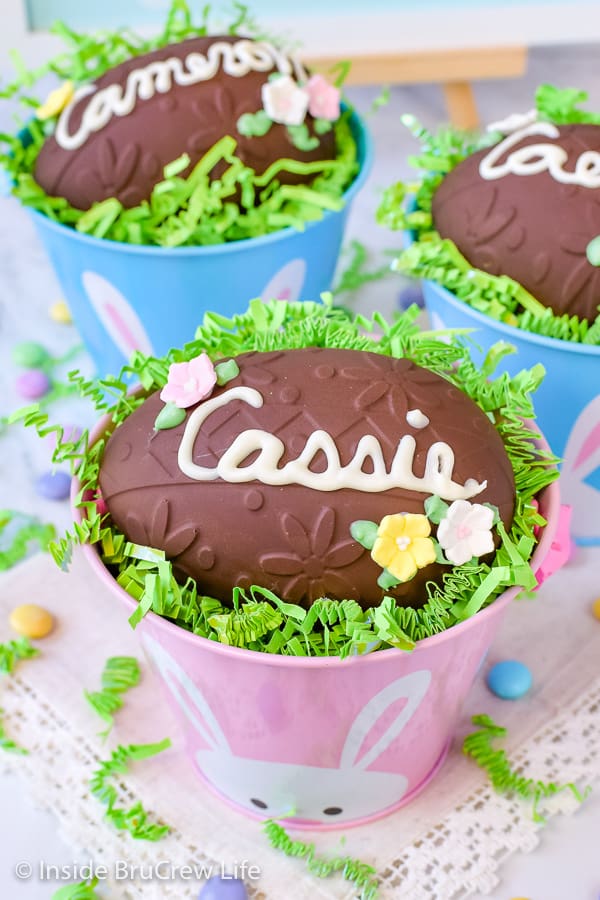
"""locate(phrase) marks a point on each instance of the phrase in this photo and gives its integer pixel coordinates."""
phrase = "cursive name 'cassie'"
(535, 158)
(437, 478)
(237, 60)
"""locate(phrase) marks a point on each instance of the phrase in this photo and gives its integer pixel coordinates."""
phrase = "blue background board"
(112, 13)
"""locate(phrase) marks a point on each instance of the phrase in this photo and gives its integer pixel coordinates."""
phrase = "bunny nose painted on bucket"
(315, 795)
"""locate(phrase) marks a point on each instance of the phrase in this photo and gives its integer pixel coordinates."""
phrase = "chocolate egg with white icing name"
(528, 208)
(118, 133)
(262, 480)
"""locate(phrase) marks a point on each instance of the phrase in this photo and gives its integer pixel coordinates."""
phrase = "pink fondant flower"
(284, 101)
(466, 531)
(189, 382)
(323, 98)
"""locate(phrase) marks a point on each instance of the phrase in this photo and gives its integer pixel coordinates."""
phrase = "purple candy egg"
(223, 888)
(53, 485)
(409, 295)
(33, 384)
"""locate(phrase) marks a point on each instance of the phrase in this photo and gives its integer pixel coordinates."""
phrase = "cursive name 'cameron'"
(158, 77)
(535, 158)
(436, 479)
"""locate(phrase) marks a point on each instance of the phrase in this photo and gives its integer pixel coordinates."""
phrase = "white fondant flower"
(284, 101)
(466, 531)
(324, 99)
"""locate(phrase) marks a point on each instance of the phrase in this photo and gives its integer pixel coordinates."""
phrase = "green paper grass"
(362, 875)
(13, 652)
(256, 618)
(134, 820)
(407, 206)
(120, 674)
(356, 274)
(6, 743)
(504, 778)
(82, 891)
(183, 210)
(17, 533)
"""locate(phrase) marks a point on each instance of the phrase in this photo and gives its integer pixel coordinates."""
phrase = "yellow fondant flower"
(56, 101)
(403, 545)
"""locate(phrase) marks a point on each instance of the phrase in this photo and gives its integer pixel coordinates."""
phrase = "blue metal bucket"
(567, 404)
(125, 297)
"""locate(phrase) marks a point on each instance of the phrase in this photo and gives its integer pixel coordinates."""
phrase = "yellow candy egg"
(596, 608)
(60, 312)
(31, 620)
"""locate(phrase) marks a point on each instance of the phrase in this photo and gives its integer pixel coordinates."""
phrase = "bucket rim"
(366, 154)
(510, 332)
(549, 504)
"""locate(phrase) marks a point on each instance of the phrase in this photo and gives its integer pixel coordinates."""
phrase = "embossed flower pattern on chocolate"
(401, 388)
(314, 562)
(156, 533)
(115, 170)
(212, 114)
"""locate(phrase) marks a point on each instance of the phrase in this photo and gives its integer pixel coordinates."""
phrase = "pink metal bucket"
(325, 741)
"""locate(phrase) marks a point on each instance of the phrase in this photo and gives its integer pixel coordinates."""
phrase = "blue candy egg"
(54, 485)
(223, 888)
(509, 679)
(409, 295)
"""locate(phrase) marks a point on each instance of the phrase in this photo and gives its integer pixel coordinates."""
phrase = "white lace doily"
(449, 843)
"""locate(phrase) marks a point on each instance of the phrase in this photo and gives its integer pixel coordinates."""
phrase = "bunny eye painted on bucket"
(259, 803)
(333, 810)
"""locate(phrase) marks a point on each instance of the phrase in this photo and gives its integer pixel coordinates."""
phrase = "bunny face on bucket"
(306, 792)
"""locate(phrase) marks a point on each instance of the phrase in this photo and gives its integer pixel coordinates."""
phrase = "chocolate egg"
(261, 482)
(118, 133)
(528, 208)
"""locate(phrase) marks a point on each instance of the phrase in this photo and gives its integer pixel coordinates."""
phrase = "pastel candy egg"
(30, 355)
(219, 888)
(53, 485)
(596, 608)
(31, 620)
(33, 384)
(60, 312)
(411, 295)
(509, 679)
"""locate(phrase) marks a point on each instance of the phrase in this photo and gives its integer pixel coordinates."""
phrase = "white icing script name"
(437, 478)
(237, 59)
(535, 158)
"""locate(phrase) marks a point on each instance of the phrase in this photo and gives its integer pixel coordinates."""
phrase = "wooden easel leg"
(460, 102)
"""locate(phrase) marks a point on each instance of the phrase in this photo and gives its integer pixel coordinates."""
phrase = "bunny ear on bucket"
(411, 687)
(188, 697)
(116, 314)
(582, 453)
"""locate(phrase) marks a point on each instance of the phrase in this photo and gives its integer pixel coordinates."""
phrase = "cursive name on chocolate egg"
(436, 479)
(236, 59)
(535, 158)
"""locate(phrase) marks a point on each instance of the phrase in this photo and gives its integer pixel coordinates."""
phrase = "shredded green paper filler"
(82, 891)
(183, 210)
(407, 206)
(362, 875)
(120, 674)
(17, 532)
(505, 779)
(256, 618)
(134, 820)
(6, 743)
(13, 652)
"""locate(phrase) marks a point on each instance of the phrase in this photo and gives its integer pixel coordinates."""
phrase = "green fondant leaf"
(436, 509)
(301, 137)
(226, 371)
(386, 580)
(322, 126)
(254, 124)
(364, 532)
(593, 251)
(170, 416)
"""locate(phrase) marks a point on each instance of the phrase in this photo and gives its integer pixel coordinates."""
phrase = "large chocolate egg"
(118, 133)
(251, 522)
(534, 226)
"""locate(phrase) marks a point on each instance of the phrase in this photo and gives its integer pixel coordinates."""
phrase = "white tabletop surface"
(566, 866)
